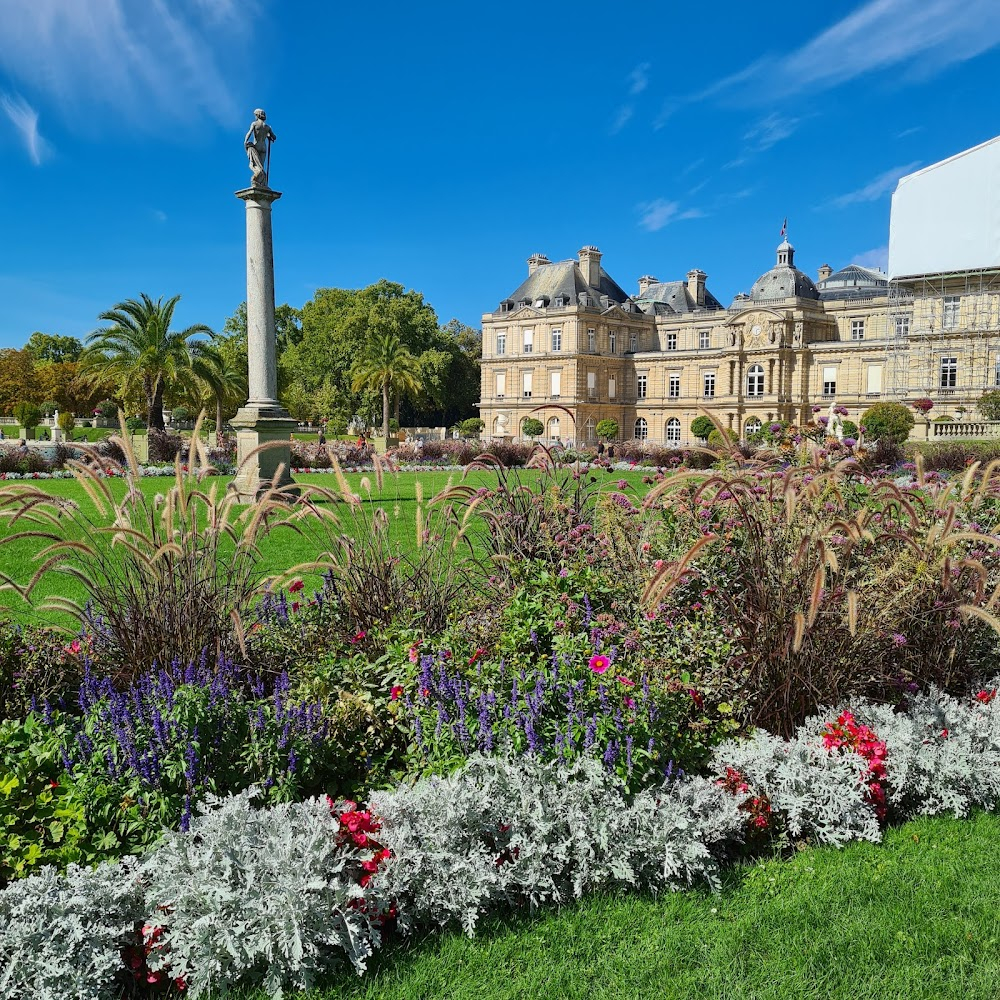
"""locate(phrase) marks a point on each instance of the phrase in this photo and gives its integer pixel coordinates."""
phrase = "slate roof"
(565, 279)
(783, 282)
(675, 294)
(853, 281)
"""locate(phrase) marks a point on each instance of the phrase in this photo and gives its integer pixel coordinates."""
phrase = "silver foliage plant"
(819, 794)
(260, 896)
(944, 754)
(61, 935)
(506, 832)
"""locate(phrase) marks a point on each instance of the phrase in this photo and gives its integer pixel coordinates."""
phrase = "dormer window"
(561, 302)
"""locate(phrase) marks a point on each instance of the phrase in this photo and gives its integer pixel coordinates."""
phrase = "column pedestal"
(263, 426)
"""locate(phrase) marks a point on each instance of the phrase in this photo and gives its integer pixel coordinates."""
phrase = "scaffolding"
(930, 315)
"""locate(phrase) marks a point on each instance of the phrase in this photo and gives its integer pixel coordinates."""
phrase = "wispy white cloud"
(916, 38)
(24, 118)
(877, 258)
(137, 60)
(769, 131)
(660, 212)
(159, 215)
(909, 131)
(876, 187)
(638, 79)
(622, 118)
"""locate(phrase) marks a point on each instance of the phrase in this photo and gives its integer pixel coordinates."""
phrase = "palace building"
(570, 347)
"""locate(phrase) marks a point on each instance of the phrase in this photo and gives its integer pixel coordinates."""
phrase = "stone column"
(262, 423)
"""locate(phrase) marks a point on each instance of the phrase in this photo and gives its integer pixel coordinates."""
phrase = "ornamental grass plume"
(165, 577)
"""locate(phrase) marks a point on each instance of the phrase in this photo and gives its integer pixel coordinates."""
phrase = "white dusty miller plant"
(503, 832)
(260, 896)
(61, 936)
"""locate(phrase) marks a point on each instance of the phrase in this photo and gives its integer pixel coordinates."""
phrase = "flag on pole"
(784, 227)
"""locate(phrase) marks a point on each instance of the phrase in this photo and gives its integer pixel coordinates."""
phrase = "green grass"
(916, 917)
(280, 551)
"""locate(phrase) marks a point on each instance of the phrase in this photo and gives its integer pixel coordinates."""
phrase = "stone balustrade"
(964, 429)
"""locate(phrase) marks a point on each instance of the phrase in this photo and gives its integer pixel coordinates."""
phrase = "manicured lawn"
(282, 550)
(915, 917)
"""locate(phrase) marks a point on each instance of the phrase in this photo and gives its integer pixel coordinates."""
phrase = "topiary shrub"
(27, 414)
(67, 422)
(702, 427)
(887, 420)
(607, 429)
(531, 427)
(716, 440)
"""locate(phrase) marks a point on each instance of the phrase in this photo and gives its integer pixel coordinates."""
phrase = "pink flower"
(395, 693)
(357, 637)
(627, 681)
(414, 654)
(599, 663)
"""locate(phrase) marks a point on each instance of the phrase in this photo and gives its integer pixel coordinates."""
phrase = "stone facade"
(570, 347)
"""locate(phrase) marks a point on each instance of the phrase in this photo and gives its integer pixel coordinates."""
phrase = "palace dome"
(784, 280)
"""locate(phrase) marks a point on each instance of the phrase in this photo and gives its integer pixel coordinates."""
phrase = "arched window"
(641, 429)
(501, 426)
(752, 427)
(755, 381)
(673, 431)
(590, 429)
(552, 432)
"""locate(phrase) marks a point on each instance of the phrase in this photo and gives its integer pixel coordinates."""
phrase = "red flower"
(358, 637)
(395, 692)
(697, 698)
(985, 696)
(295, 586)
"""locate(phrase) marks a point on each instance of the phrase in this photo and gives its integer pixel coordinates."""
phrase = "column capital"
(258, 194)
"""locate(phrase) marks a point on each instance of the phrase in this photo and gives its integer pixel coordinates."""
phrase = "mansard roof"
(853, 281)
(675, 295)
(564, 280)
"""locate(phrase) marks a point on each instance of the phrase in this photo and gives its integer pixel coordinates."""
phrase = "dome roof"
(784, 280)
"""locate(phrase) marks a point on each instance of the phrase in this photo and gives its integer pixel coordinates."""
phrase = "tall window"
(949, 373)
(526, 385)
(996, 372)
(949, 318)
(755, 381)
(671, 341)
(709, 385)
(857, 329)
(556, 386)
(612, 341)
(592, 384)
(612, 387)
(590, 429)
(873, 380)
(557, 340)
(501, 341)
(704, 339)
(552, 431)
(902, 324)
(641, 385)
(674, 387)
(752, 427)
(501, 385)
(673, 431)
(830, 380)
(633, 341)
(529, 341)
(591, 340)
(641, 429)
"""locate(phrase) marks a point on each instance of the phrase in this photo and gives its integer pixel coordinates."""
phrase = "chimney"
(696, 286)
(644, 282)
(590, 265)
(825, 271)
(535, 261)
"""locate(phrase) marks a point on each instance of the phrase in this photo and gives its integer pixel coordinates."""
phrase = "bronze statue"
(258, 146)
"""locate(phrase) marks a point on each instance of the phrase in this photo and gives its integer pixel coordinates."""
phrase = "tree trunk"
(155, 416)
(218, 421)
(385, 411)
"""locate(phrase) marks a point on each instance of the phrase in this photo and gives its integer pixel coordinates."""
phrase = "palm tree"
(389, 366)
(215, 382)
(139, 351)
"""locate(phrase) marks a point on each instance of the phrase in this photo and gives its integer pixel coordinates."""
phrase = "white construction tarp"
(946, 217)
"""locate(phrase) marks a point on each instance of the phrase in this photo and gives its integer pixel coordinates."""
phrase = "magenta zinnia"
(599, 663)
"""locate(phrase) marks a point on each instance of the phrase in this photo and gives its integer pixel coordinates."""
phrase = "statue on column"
(257, 143)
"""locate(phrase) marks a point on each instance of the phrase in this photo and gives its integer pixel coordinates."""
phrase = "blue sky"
(440, 145)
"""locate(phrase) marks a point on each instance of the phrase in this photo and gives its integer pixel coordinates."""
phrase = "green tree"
(17, 379)
(607, 429)
(702, 427)
(989, 404)
(53, 347)
(141, 353)
(389, 366)
(892, 421)
(28, 414)
(531, 427)
(472, 426)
